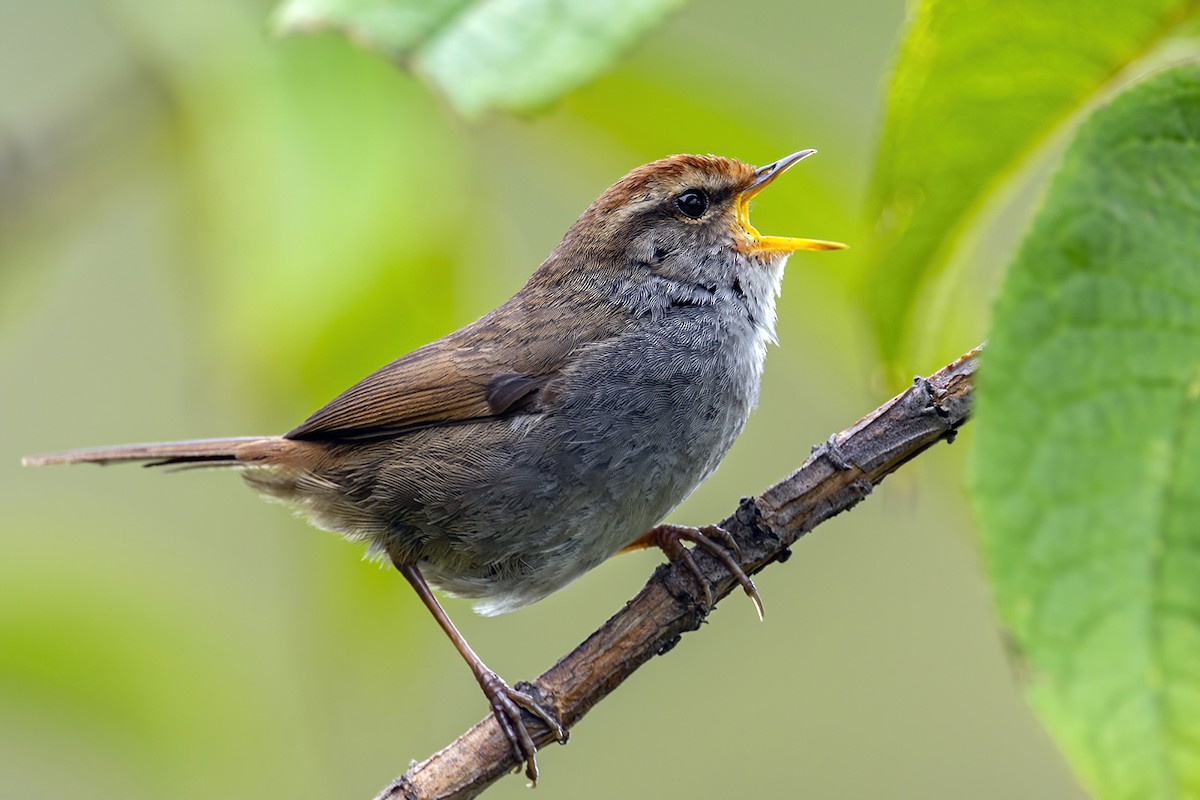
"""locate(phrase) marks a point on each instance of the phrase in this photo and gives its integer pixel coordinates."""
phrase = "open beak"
(775, 244)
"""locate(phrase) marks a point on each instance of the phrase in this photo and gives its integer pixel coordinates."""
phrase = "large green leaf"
(978, 86)
(515, 55)
(1088, 451)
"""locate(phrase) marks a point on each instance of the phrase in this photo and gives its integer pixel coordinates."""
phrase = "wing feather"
(474, 373)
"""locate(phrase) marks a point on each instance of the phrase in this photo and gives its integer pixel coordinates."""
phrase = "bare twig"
(837, 475)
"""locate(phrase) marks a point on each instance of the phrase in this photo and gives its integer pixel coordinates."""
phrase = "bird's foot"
(715, 541)
(507, 704)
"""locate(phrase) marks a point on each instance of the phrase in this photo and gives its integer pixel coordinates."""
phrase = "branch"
(837, 475)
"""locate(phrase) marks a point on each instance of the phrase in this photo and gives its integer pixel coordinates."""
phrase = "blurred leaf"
(976, 90)
(315, 176)
(1088, 450)
(516, 55)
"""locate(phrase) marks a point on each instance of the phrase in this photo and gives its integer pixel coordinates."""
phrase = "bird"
(506, 459)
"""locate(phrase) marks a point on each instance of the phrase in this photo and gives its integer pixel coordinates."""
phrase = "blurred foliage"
(313, 179)
(1084, 459)
(1088, 451)
(514, 55)
(976, 94)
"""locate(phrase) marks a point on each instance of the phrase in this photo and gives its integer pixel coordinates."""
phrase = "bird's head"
(686, 219)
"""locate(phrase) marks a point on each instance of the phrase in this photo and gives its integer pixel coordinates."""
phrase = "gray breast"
(637, 424)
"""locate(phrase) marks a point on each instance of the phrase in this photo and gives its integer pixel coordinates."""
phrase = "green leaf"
(976, 90)
(1087, 460)
(516, 55)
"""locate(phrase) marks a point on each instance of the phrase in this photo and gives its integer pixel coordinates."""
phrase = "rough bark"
(837, 476)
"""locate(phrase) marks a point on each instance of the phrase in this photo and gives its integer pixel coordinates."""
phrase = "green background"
(206, 231)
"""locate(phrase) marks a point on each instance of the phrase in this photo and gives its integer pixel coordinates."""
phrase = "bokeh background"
(208, 231)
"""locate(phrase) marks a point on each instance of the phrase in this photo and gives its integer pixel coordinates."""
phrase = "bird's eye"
(692, 203)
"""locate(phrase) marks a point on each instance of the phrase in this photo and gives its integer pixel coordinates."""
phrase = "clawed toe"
(715, 541)
(507, 703)
(526, 701)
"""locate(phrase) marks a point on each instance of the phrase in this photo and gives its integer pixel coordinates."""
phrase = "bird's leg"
(505, 701)
(714, 540)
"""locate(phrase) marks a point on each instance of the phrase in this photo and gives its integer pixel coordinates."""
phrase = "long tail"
(246, 450)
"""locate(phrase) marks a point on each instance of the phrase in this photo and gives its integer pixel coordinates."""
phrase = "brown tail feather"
(214, 452)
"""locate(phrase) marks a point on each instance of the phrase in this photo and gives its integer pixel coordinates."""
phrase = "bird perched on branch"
(506, 459)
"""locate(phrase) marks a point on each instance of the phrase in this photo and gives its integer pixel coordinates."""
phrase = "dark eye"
(692, 203)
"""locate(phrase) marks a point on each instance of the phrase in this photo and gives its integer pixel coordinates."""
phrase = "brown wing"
(474, 373)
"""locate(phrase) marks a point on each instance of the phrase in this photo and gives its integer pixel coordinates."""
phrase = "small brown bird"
(506, 459)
